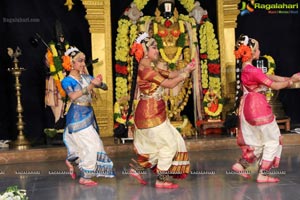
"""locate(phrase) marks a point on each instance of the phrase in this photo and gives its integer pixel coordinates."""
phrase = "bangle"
(184, 75)
(85, 91)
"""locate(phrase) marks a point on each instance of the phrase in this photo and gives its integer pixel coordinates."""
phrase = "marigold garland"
(55, 68)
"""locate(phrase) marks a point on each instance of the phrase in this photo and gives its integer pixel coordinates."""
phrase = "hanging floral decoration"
(56, 68)
(271, 64)
(209, 57)
(271, 71)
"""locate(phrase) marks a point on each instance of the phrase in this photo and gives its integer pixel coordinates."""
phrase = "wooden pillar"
(99, 19)
(227, 14)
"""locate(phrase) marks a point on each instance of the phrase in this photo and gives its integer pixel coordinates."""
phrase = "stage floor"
(59, 152)
(210, 178)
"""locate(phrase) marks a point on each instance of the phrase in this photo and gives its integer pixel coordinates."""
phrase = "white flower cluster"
(13, 193)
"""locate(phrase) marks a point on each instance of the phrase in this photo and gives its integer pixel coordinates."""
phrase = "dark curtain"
(278, 36)
(20, 20)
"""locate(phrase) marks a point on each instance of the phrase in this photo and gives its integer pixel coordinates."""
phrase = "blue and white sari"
(81, 133)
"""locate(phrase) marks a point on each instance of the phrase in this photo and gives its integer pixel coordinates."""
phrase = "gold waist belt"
(156, 96)
(82, 103)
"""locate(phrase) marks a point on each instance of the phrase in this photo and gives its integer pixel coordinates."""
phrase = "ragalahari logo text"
(249, 6)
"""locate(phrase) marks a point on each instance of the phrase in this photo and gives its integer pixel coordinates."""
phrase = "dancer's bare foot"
(87, 182)
(239, 169)
(166, 185)
(71, 169)
(133, 173)
(266, 179)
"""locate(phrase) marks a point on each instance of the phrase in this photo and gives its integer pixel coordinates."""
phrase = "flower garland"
(121, 56)
(187, 4)
(271, 71)
(56, 68)
(180, 44)
(14, 193)
(209, 55)
(271, 64)
(140, 4)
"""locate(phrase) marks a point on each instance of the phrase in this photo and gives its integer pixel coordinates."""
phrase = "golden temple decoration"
(69, 4)
(227, 12)
(99, 19)
(98, 16)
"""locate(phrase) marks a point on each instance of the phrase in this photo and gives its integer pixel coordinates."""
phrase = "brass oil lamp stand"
(21, 143)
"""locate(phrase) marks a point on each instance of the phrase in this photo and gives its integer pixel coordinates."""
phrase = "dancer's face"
(153, 52)
(79, 62)
(256, 53)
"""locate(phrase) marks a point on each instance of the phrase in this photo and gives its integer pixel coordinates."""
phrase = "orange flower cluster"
(137, 51)
(60, 89)
(66, 63)
(243, 52)
(50, 57)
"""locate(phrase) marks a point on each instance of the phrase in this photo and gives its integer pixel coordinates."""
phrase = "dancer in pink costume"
(259, 135)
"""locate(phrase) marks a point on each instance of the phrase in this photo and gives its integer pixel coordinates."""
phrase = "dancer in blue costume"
(81, 132)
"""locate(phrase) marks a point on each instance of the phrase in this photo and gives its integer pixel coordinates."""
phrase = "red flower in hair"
(243, 52)
(137, 51)
(66, 63)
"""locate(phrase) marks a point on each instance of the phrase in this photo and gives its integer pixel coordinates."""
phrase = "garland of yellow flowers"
(121, 55)
(271, 64)
(209, 47)
(271, 71)
(56, 69)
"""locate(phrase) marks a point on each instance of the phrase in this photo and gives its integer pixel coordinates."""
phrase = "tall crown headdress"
(165, 1)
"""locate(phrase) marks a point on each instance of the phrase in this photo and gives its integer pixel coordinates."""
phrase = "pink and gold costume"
(259, 135)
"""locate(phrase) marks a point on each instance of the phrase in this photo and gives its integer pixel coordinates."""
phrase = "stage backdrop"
(20, 20)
